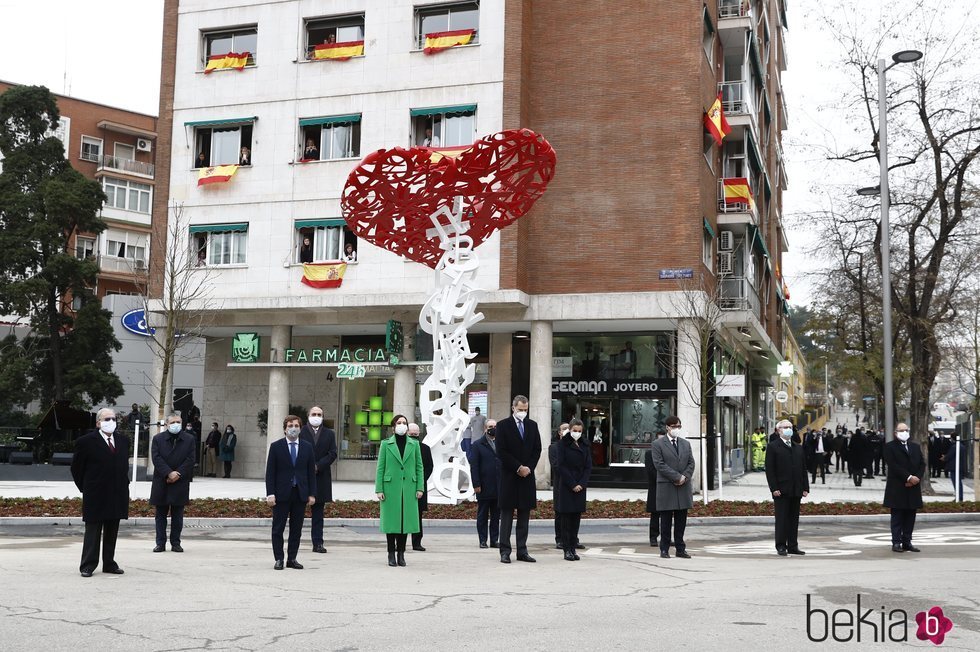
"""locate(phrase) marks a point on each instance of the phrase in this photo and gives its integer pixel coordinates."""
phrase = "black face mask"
(492, 432)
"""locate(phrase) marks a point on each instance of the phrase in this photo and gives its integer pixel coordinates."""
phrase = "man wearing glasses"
(903, 493)
(100, 471)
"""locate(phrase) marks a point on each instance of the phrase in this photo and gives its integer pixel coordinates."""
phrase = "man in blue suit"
(290, 485)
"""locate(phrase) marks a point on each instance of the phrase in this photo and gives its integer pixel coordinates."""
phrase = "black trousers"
(99, 534)
(838, 460)
(293, 510)
(570, 522)
(396, 542)
(787, 522)
(488, 517)
(507, 524)
(903, 522)
(316, 523)
(672, 526)
(557, 526)
(417, 536)
(819, 465)
(654, 527)
(177, 526)
(227, 469)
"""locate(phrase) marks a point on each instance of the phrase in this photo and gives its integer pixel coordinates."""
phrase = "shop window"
(623, 355)
(91, 149)
(337, 29)
(221, 244)
(238, 41)
(225, 145)
(330, 138)
(320, 241)
(446, 18)
(444, 127)
(127, 195)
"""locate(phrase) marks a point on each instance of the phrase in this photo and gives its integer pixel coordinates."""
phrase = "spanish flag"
(439, 153)
(439, 41)
(737, 191)
(715, 122)
(339, 51)
(226, 61)
(324, 275)
(216, 174)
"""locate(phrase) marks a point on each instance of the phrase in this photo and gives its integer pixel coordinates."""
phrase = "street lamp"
(905, 56)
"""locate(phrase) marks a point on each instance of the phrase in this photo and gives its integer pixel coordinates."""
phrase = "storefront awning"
(218, 228)
(312, 224)
(330, 120)
(438, 110)
(222, 121)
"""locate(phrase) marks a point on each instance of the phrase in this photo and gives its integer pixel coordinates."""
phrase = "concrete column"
(498, 385)
(688, 391)
(540, 399)
(404, 388)
(278, 385)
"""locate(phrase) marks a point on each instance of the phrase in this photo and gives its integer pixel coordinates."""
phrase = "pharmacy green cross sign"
(245, 347)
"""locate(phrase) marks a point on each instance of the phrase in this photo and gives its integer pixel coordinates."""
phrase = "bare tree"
(180, 316)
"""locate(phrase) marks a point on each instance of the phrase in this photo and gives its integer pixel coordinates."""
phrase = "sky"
(108, 51)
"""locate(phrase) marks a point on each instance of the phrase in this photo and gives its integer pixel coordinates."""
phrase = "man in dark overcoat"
(519, 449)
(485, 473)
(174, 454)
(789, 484)
(324, 443)
(903, 493)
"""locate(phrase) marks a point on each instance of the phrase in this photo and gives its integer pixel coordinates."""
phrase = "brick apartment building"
(584, 297)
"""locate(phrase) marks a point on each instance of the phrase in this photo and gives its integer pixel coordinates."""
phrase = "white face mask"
(174, 428)
(108, 427)
(903, 435)
(576, 435)
(315, 421)
(677, 432)
(520, 415)
(293, 432)
(786, 433)
(401, 429)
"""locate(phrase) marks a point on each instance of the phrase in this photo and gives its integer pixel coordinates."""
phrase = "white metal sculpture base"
(447, 316)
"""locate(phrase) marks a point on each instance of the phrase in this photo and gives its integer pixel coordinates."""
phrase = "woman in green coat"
(399, 486)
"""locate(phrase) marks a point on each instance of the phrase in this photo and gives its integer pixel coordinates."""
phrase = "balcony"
(736, 199)
(736, 98)
(733, 9)
(115, 265)
(126, 166)
(738, 293)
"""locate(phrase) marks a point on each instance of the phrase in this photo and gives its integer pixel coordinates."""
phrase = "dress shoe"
(526, 557)
(319, 549)
(176, 548)
(682, 554)
(504, 559)
(664, 554)
(114, 571)
(576, 556)
(558, 546)
(795, 551)
(494, 544)
(279, 564)
(898, 548)
(569, 555)
(86, 573)
(419, 547)
(654, 543)
(159, 549)
(781, 552)
(401, 559)
(391, 559)
(910, 548)
(483, 544)
(579, 546)
(294, 564)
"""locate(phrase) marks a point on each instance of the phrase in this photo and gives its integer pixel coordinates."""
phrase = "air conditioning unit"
(144, 144)
(139, 263)
(726, 241)
(725, 263)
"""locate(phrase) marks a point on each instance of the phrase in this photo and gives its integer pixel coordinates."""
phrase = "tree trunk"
(920, 382)
(54, 335)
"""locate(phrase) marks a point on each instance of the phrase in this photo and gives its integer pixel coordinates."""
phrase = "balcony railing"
(738, 293)
(733, 8)
(732, 195)
(139, 168)
(736, 97)
(121, 265)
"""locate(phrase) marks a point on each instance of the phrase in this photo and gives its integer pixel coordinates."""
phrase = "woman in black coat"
(574, 468)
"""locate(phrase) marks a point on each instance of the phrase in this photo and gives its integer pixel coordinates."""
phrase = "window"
(76, 302)
(84, 247)
(707, 143)
(237, 41)
(320, 241)
(91, 149)
(447, 18)
(708, 36)
(707, 247)
(340, 29)
(124, 151)
(224, 145)
(126, 246)
(449, 126)
(219, 244)
(127, 195)
(329, 138)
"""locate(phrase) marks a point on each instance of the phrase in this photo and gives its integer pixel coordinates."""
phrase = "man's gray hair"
(174, 415)
(520, 398)
(414, 426)
(110, 411)
(785, 423)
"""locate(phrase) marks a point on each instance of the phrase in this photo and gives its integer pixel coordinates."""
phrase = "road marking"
(957, 537)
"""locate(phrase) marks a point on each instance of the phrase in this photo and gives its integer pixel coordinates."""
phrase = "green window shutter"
(330, 120)
(707, 228)
(756, 61)
(219, 228)
(437, 110)
(312, 224)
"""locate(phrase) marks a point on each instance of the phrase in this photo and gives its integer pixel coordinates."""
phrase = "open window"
(218, 244)
(336, 29)
(91, 149)
(326, 240)
(432, 19)
(329, 138)
(446, 126)
(238, 40)
(222, 142)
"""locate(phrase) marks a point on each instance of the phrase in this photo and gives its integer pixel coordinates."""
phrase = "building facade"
(593, 301)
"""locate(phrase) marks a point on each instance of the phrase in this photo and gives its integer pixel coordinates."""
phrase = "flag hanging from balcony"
(439, 153)
(216, 174)
(439, 41)
(737, 191)
(324, 275)
(715, 122)
(229, 60)
(339, 51)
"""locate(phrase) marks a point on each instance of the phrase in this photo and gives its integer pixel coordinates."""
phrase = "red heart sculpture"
(389, 197)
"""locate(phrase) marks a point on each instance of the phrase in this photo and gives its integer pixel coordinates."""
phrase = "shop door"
(597, 415)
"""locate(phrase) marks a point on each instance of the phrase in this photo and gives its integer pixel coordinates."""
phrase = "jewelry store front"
(623, 387)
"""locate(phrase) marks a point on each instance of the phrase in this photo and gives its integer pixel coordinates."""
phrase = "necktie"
(520, 427)
(674, 442)
(906, 447)
(111, 447)
(292, 451)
